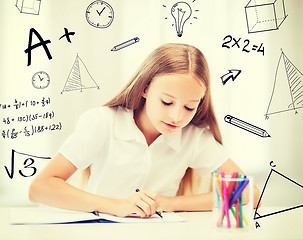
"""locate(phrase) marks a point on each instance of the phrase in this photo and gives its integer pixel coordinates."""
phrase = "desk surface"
(286, 225)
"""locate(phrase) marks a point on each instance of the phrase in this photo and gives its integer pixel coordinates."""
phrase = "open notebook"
(49, 215)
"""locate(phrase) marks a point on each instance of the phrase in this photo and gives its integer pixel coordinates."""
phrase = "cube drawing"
(264, 15)
(29, 6)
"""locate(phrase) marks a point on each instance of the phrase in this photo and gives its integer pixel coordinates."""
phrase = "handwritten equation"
(12, 123)
(30, 131)
(29, 117)
(17, 104)
(230, 42)
(26, 164)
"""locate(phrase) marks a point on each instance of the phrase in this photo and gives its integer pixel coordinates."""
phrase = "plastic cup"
(233, 201)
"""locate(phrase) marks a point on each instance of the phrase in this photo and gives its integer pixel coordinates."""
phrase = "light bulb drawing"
(181, 12)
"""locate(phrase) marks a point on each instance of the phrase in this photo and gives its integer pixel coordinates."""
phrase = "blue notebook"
(50, 215)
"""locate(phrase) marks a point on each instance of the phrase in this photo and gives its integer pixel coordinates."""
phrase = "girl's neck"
(146, 127)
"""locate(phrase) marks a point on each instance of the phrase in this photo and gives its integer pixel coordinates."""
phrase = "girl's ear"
(144, 93)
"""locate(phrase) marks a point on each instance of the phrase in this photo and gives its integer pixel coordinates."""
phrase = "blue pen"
(238, 191)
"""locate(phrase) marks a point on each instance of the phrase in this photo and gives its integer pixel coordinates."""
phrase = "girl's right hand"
(142, 203)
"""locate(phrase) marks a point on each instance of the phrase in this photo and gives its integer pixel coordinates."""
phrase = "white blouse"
(109, 141)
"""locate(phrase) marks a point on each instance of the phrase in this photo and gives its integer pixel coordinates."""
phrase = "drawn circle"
(40, 80)
(99, 14)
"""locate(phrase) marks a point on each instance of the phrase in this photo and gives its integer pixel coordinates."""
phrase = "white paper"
(49, 215)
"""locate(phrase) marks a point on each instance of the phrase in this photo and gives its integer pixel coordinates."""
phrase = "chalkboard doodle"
(40, 119)
(181, 13)
(79, 78)
(67, 34)
(31, 130)
(99, 14)
(246, 126)
(288, 85)
(232, 74)
(42, 43)
(284, 181)
(24, 163)
(29, 6)
(264, 15)
(125, 44)
(230, 42)
(40, 80)
(18, 104)
(29, 117)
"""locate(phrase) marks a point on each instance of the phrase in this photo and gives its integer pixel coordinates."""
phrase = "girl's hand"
(164, 203)
(142, 203)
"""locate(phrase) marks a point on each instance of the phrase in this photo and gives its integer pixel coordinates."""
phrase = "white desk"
(287, 225)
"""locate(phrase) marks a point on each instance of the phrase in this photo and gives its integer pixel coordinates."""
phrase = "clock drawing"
(40, 80)
(99, 14)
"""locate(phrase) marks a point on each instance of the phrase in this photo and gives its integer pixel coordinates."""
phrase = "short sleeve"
(84, 145)
(208, 153)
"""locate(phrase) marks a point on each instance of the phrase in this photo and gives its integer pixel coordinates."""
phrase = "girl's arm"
(50, 187)
(200, 202)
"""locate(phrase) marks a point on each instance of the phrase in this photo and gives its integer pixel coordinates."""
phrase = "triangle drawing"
(79, 77)
(276, 185)
(287, 93)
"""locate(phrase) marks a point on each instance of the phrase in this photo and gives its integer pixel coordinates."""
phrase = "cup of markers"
(233, 201)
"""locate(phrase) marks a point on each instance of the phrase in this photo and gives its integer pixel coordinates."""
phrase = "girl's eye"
(166, 103)
(189, 109)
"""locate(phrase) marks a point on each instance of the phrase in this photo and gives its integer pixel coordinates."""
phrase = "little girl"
(154, 136)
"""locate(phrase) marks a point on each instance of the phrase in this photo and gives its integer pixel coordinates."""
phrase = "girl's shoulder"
(95, 117)
(196, 131)
(104, 114)
(194, 135)
(100, 112)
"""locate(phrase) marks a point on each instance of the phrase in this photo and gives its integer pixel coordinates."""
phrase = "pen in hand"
(159, 214)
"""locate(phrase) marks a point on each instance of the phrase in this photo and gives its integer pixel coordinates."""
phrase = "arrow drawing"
(232, 74)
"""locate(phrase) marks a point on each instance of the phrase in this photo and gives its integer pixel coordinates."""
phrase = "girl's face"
(171, 102)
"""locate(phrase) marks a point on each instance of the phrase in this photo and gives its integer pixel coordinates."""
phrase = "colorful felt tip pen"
(238, 191)
(225, 199)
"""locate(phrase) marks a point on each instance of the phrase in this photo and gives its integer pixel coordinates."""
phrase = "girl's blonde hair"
(172, 58)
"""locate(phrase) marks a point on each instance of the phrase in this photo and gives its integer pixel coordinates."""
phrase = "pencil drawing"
(125, 44)
(246, 126)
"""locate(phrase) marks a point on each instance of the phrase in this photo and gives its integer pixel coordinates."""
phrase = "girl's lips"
(170, 126)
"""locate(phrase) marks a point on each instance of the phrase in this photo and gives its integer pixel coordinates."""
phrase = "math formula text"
(244, 45)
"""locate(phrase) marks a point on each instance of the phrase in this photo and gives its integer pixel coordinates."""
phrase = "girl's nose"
(175, 114)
